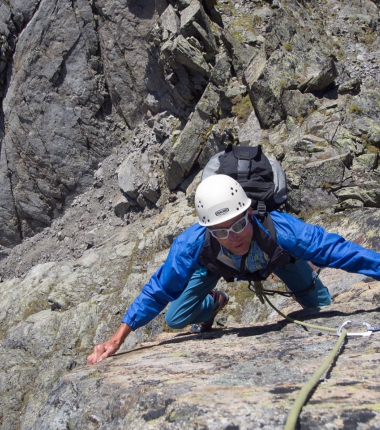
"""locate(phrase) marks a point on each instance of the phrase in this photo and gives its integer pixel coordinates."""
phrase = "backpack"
(261, 177)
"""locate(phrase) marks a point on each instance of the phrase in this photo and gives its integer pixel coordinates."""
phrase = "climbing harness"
(291, 422)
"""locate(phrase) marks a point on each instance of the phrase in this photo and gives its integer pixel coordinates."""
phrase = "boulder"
(365, 195)
(265, 88)
(136, 178)
(187, 148)
(311, 144)
(194, 22)
(121, 205)
(297, 104)
(169, 20)
(187, 54)
(325, 77)
(317, 185)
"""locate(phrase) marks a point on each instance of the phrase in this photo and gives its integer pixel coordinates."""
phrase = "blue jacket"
(305, 241)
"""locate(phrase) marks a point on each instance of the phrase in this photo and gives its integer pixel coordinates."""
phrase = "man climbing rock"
(230, 241)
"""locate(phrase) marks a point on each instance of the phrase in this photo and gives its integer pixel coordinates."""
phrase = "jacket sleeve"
(169, 280)
(313, 243)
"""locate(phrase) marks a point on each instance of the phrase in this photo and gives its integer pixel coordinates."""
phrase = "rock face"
(110, 110)
(236, 377)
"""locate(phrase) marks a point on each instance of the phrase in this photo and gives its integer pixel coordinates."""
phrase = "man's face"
(237, 243)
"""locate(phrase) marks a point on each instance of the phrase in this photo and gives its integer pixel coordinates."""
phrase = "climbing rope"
(303, 395)
(316, 327)
(313, 381)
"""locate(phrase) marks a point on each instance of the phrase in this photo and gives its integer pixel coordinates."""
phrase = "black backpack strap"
(244, 155)
(261, 211)
(243, 167)
(277, 256)
(267, 222)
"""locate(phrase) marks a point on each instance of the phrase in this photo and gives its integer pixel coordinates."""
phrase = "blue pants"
(195, 305)
(298, 277)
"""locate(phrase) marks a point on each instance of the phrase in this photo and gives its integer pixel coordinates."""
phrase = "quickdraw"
(369, 331)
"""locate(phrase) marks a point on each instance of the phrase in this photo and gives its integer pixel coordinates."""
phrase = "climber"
(229, 241)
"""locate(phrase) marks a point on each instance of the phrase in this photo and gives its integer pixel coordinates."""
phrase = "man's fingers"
(94, 357)
(108, 350)
(109, 347)
(101, 352)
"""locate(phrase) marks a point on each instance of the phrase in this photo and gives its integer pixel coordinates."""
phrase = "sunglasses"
(237, 227)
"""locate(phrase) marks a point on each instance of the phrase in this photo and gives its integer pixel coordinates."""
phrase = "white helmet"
(219, 198)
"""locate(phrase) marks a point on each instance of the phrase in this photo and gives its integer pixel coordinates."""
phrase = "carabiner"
(372, 328)
(363, 333)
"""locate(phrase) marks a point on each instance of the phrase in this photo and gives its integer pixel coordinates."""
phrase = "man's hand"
(102, 351)
(105, 349)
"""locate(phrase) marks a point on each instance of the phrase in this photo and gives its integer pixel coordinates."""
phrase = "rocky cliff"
(110, 110)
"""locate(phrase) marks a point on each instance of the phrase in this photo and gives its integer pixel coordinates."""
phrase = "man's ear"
(250, 211)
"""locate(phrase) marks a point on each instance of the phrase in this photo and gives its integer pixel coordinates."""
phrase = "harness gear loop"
(257, 288)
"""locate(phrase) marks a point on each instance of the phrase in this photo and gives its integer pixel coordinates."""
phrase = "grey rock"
(137, 179)
(367, 194)
(36, 203)
(279, 67)
(240, 54)
(297, 104)
(316, 184)
(368, 127)
(251, 130)
(141, 201)
(182, 4)
(162, 401)
(187, 55)
(170, 20)
(221, 73)
(310, 144)
(194, 22)
(325, 77)
(188, 146)
(264, 98)
(350, 87)
(121, 205)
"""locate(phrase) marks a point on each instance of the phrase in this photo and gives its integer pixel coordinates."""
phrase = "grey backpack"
(261, 177)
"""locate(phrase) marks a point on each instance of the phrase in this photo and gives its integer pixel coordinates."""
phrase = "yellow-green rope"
(317, 327)
(313, 381)
(310, 384)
